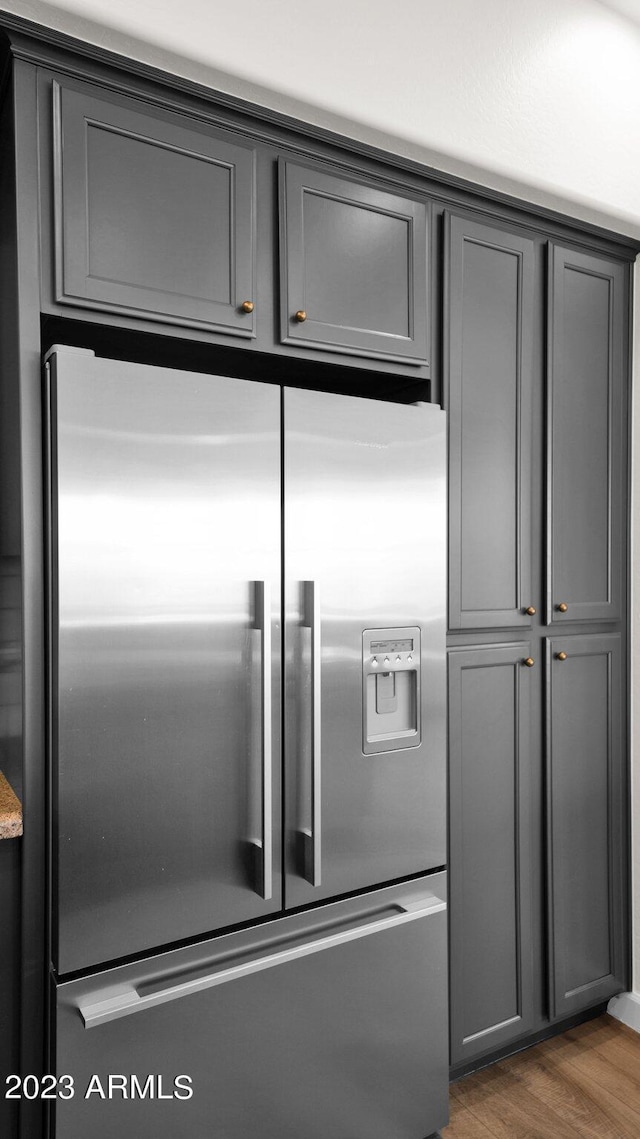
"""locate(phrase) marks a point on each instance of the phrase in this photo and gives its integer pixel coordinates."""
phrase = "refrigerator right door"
(365, 560)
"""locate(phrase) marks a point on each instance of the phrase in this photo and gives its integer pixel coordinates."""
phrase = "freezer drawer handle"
(263, 848)
(311, 836)
(103, 1007)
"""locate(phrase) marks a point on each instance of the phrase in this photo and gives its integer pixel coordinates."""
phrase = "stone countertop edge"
(10, 811)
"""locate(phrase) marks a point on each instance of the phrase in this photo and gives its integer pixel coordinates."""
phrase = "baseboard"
(626, 1007)
(459, 1071)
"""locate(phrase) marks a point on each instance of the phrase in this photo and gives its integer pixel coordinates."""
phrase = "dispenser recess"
(390, 689)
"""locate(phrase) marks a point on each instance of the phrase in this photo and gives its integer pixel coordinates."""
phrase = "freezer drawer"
(315, 1026)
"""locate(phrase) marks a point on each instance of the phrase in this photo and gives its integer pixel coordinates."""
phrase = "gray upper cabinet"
(490, 837)
(488, 362)
(353, 266)
(153, 218)
(585, 452)
(586, 821)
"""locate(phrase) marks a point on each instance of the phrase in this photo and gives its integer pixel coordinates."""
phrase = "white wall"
(541, 99)
(635, 644)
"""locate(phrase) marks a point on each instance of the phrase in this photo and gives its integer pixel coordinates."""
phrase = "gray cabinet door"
(153, 219)
(587, 303)
(488, 360)
(490, 834)
(585, 821)
(354, 260)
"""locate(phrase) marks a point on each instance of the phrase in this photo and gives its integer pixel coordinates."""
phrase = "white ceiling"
(629, 8)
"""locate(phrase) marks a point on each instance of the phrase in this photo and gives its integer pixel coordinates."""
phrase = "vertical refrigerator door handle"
(311, 836)
(264, 859)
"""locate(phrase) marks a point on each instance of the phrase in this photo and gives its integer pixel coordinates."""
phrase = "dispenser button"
(386, 660)
(409, 657)
(398, 657)
(374, 661)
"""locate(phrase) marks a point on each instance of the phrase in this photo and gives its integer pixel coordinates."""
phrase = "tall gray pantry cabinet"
(536, 376)
(148, 219)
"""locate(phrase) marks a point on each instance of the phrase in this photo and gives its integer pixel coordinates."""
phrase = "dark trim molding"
(26, 373)
(48, 47)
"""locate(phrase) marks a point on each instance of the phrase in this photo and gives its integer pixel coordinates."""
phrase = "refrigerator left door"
(165, 669)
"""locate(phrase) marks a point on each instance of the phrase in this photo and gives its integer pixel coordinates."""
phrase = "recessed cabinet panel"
(585, 452)
(354, 266)
(152, 218)
(586, 822)
(490, 832)
(490, 300)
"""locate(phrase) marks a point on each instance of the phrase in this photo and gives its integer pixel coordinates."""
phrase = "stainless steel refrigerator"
(247, 598)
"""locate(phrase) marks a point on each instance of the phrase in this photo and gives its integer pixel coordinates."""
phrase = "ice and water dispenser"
(390, 689)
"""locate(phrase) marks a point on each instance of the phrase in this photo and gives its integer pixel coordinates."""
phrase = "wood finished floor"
(583, 1083)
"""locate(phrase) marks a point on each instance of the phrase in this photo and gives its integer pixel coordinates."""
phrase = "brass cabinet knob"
(247, 306)
(301, 316)
(562, 608)
(561, 656)
(530, 610)
(529, 661)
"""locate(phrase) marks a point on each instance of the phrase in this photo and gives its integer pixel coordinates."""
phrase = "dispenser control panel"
(390, 689)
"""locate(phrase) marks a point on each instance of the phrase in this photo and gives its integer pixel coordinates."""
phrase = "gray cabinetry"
(353, 266)
(490, 836)
(587, 303)
(586, 820)
(526, 462)
(154, 218)
(488, 337)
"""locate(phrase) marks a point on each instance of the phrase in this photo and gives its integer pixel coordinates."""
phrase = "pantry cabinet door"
(585, 450)
(154, 217)
(488, 379)
(353, 266)
(586, 821)
(490, 839)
